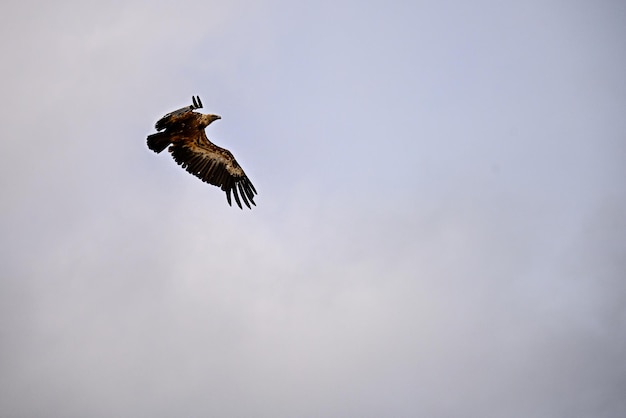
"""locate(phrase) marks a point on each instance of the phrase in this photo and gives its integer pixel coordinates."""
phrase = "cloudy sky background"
(441, 217)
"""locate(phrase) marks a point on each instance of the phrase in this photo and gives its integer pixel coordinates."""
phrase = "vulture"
(183, 131)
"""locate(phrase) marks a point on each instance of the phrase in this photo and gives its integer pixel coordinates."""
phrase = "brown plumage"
(192, 150)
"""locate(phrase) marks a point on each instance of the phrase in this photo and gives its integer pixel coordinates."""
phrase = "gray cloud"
(438, 230)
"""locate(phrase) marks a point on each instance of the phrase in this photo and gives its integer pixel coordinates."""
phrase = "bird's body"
(192, 150)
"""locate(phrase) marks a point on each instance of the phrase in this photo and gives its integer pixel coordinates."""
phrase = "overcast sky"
(440, 228)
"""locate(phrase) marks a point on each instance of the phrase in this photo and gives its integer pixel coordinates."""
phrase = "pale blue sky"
(439, 229)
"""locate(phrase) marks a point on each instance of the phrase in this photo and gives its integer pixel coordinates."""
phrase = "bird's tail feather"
(159, 141)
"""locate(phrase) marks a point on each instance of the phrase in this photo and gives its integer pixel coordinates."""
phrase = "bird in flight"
(192, 150)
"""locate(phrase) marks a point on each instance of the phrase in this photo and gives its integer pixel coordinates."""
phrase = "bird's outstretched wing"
(177, 118)
(213, 165)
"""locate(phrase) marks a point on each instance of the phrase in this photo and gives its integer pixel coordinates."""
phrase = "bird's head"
(208, 119)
